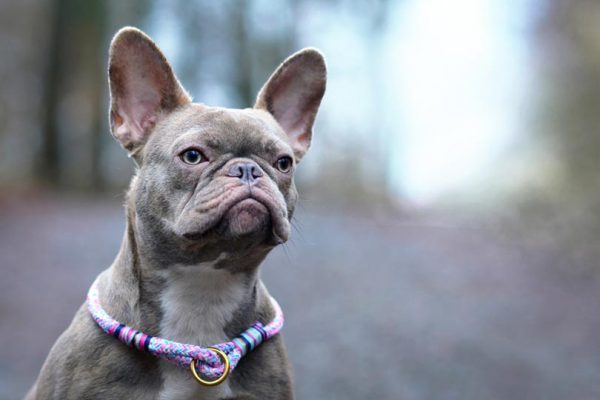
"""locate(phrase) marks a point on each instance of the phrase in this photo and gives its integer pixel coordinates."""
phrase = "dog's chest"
(197, 304)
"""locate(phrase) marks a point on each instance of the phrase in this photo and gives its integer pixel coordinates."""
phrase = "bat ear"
(143, 88)
(293, 95)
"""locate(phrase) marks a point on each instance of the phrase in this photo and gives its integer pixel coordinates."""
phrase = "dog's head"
(208, 177)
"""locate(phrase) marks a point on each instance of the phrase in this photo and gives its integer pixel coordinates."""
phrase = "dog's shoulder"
(85, 363)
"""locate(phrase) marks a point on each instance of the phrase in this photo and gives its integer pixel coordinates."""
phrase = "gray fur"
(193, 219)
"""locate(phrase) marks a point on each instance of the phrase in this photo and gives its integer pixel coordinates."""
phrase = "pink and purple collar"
(210, 366)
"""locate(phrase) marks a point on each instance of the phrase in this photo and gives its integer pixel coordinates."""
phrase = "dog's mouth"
(237, 213)
(246, 217)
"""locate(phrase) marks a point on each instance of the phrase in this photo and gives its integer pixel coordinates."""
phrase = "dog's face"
(211, 178)
(220, 171)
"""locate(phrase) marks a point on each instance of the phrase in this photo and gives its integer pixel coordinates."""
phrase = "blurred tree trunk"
(567, 118)
(73, 73)
(242, 46)
(97, 68)
(48, 160)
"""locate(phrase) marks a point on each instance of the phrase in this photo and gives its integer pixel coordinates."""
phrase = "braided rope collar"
(214, 363)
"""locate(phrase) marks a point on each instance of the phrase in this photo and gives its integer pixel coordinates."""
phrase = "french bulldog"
(212, 194)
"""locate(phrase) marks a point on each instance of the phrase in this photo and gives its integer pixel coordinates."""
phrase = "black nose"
(248, 172)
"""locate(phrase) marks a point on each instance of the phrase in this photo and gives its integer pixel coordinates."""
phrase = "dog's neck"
(200, 303)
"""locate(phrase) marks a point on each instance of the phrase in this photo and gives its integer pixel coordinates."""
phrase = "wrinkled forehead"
(223, 130)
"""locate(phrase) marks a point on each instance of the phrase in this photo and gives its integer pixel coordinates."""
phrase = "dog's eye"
(192, 156)
(284, 164)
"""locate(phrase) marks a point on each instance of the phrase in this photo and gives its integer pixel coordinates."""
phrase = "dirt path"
(381, 309)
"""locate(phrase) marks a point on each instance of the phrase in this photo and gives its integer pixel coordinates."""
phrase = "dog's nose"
(248, 172)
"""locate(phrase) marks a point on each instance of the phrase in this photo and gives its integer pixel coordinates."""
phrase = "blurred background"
(446, 245)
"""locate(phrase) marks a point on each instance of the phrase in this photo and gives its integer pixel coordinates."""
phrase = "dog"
(213, 193)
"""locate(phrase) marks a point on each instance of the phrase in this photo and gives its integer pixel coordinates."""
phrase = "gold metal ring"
(220, 379)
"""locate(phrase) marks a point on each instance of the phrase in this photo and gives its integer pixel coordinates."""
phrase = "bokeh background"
(447, 242)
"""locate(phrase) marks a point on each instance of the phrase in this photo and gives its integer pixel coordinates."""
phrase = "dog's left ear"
(143, 88)
(293, 95)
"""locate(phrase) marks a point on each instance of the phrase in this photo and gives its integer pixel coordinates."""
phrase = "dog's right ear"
(143, 87)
